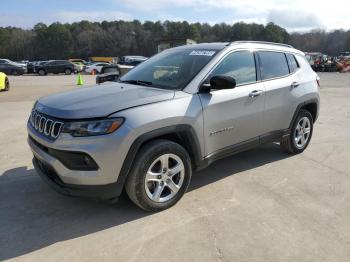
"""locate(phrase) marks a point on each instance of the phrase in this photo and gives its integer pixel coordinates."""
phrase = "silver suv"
(177, 112)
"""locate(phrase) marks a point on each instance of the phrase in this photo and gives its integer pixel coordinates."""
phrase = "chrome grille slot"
(45, 125)
(36, 121)
(42, 123)
(47, 128)
(56, 129)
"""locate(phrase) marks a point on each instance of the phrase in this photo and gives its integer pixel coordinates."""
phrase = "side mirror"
(109, 77)
(219, 82)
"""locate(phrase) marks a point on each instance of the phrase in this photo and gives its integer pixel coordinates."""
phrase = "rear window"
(292, 62)
(273, 64)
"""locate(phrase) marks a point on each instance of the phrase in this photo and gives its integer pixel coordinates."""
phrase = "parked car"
(8, 61)
(55, 67)
(22, 62)
(132, 60)
(109, 73)
(30, 67)
(12, 68)
(77, 60)
(37, 64)
(96, 67)
(179, 111)
(4, 82)
(79, 66)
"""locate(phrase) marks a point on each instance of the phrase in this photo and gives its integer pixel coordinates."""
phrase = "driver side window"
(240, 65)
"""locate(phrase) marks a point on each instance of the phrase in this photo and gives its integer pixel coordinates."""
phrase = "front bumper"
(107, 151)
(48, 174)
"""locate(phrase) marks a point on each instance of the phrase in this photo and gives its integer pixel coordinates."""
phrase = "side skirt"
(275, 136)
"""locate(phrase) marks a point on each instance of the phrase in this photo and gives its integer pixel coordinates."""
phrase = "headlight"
(92, 128)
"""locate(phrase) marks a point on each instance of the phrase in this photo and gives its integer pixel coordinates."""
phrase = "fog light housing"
(74, 160)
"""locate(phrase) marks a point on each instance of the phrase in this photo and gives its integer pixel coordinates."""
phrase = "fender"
(184, 132)
(2, 81)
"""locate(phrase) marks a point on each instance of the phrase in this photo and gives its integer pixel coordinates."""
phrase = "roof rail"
(260, 42)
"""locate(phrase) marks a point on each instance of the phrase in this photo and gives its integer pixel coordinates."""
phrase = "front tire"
(68, 71)
(300, 135)
(160, 175)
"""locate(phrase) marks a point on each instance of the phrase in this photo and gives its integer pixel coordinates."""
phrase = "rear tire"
(42, 72)
(68, 71)
(300, 135)
(160, 175)
(15, 73)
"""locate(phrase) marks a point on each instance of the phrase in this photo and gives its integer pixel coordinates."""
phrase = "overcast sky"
(295, 15)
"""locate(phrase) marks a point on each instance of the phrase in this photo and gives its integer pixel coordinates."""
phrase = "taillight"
(318, 81)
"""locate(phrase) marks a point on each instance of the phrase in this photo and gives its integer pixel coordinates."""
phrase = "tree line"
(85, 39)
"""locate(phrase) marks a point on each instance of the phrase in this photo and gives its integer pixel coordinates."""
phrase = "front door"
(233, 116)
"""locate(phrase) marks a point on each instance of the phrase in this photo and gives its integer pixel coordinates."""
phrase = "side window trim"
(288, 63)
(224, 57)
(274, 78)
(258, 66)
(296, 61)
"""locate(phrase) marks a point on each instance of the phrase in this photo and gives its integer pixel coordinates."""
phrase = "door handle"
(255, 93)
(294, 85)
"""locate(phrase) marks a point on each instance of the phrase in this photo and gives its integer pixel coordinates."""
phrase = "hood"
(18, 64)
(100, 101)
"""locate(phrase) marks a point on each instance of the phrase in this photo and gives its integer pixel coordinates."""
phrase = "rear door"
(233, 116)
(50, 67)
(59, 67)
(282, 88)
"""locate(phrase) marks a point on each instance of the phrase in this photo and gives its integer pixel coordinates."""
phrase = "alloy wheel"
(302, 132)
(164, 178)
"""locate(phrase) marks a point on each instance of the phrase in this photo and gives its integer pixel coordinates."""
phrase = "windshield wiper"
(137, 82)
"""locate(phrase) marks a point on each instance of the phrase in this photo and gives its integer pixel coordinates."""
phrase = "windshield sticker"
(203, 52)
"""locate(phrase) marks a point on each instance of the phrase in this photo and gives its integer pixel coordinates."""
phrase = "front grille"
(45, 125)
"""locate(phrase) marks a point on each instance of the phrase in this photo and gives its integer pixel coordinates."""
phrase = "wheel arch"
(312, 108)
(311, 105)
(184, 135)
(41, 69)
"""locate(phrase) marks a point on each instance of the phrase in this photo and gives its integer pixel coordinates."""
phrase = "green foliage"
(330, 43)
(116, 38)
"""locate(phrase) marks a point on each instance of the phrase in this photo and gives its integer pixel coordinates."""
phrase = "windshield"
(171, 69)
